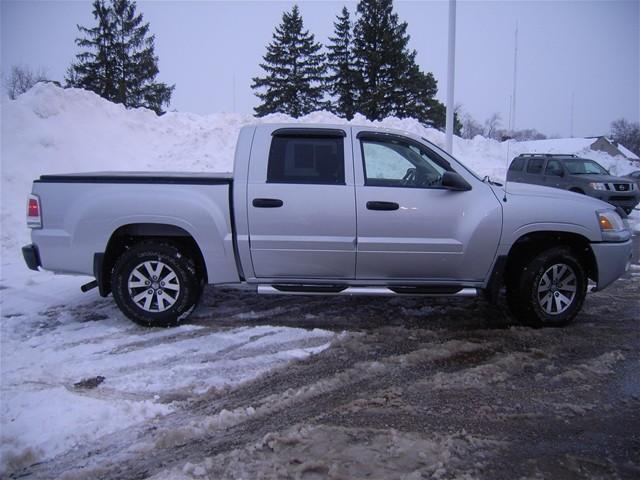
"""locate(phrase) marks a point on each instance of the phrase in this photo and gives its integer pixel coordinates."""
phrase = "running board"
(423, 291)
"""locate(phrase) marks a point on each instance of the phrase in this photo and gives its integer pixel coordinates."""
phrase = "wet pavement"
(410, 388)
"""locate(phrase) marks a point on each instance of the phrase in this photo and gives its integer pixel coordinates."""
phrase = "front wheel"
(155, 284)
(551, 289)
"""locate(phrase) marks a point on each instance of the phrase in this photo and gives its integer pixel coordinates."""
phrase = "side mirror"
(454, 181)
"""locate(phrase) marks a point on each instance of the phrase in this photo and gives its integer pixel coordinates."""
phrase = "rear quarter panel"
(79, 219)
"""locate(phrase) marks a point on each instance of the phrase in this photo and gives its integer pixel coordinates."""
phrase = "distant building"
(607, 145)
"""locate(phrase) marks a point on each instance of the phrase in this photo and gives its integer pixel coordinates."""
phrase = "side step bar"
(423, 291)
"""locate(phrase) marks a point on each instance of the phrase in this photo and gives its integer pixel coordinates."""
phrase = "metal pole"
(515, 80)
(234, 93)
(451, 74)
(572, 114)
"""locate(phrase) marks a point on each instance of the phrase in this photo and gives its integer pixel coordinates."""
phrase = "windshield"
(580, 166)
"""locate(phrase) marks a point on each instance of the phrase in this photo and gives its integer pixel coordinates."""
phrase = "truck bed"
(81, 212)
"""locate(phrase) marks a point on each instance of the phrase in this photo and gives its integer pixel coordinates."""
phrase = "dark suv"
(580, 175)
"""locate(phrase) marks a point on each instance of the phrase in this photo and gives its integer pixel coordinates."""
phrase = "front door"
(412, 228)
(301, 204)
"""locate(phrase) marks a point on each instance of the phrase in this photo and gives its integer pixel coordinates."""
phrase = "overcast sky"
(590, 49)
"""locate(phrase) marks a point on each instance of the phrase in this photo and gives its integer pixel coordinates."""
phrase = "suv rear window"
(299, 159)
(517, 164)
(535, 165)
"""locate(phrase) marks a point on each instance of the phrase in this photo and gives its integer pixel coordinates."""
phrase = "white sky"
(588, 48)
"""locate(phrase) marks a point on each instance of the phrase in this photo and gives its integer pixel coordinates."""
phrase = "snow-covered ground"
(72, 368)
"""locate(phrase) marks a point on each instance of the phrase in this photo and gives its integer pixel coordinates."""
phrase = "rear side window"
(517, 164)
(299, 159)
(535, 165)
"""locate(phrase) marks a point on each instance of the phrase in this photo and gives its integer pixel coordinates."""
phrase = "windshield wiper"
(488, 180)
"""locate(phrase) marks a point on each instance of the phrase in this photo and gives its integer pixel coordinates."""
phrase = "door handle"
(267, 202)
(382, 206)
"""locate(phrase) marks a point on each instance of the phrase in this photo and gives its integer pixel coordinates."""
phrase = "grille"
(622, 187)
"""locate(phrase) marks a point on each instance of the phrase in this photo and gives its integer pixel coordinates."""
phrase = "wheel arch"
(531, 244)
(127, 235)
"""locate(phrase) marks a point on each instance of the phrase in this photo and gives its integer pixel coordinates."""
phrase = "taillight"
(34, 214)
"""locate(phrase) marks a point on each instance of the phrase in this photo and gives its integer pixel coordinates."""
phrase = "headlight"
(598, 186)
(612, 227)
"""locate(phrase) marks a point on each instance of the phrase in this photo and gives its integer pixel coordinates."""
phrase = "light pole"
(451, 74)
(512, 120)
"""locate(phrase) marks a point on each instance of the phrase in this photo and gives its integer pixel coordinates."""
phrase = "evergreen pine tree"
(341, 62)
(95, 66)
(119, 62)
(382, 58)
(388, 79)
(295, 71)
(417, 91)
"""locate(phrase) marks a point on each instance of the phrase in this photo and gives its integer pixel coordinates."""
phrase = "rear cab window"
(306, 159)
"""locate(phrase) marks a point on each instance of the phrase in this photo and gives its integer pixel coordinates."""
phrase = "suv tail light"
(34, 213)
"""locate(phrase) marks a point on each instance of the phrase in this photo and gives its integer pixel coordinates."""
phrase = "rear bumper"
(31, 256)
(612, 259)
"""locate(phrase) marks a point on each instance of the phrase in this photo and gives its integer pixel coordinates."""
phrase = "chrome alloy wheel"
(557, 289)
(153, 286)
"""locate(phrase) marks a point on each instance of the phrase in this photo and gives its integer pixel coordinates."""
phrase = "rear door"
(301, 203)
(535, 171)
(553, 173)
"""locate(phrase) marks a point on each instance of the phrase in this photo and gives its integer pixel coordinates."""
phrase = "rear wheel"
(550, 289)
(155, 284)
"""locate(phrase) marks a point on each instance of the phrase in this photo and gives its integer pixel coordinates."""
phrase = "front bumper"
(627, 200)
(613, 260)
(31, 256)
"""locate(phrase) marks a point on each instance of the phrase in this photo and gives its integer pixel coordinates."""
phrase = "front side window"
(535, 165)
(393, 163)
(298, 159)
(580, 166)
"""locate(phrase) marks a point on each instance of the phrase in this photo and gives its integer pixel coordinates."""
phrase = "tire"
(155, 284)
(550, 290)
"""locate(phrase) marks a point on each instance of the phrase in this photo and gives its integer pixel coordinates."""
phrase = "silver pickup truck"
(326, 210)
